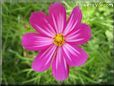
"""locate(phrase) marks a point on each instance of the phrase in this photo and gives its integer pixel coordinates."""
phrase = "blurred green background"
(17, 61)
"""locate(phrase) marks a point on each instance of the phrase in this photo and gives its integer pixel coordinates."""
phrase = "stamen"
(59, 40)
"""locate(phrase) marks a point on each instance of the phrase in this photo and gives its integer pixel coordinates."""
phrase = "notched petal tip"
(24, 39)
(35, 15)
(78, 10)
(55, 4)
(75, 56)
(35, 68)
(74, 20)
(60, 68)
(42, 61)
(85, 58)
(57, 13)
(35, 41)
(88, 30)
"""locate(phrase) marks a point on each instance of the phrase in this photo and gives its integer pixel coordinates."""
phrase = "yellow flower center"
(59, 40)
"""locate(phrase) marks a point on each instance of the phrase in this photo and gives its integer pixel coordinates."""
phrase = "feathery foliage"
(99, 68)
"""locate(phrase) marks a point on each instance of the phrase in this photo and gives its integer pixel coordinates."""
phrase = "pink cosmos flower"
(58, 40)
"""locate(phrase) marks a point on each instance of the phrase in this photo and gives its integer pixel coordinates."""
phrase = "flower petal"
(74, 20)
(43, 60)
(34, 41)
(58, 16)
(40, 22)
(60, 68)
(80, 35)
(75, 56)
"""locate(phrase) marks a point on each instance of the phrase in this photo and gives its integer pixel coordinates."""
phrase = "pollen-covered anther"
(59, 40)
